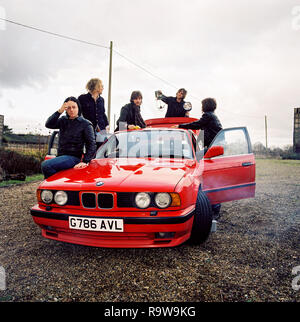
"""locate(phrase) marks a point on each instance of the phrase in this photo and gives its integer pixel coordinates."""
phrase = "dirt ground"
(250, 257)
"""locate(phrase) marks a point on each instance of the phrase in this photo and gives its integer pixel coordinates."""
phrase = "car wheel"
(202, 219)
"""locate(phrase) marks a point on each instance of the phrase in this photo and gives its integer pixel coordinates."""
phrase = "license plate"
(96, 224)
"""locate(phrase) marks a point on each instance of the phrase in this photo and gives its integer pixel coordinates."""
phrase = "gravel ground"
(249, 258)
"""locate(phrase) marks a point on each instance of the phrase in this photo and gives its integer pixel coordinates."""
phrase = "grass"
(279, 161)
(33, 178)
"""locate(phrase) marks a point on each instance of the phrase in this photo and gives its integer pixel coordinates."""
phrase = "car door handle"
(247, 164)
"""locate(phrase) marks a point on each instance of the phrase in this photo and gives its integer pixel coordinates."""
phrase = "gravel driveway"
(249, 258)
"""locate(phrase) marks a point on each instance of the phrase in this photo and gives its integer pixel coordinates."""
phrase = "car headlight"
(163, 200)
(142, 200)
(47, 196)
(61, 198)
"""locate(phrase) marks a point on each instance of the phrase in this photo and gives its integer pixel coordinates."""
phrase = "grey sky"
(243, 53)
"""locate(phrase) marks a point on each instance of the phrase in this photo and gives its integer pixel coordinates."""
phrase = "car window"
(147, 143)
(234, 141)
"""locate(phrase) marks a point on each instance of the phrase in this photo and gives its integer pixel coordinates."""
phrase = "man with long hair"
(130, 115)
(175, 104)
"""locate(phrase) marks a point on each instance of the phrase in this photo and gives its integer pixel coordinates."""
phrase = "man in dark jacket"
(209, 122)
(130, 115)
(211, 125)
(92, 105)
(74, 132)
(175, 104)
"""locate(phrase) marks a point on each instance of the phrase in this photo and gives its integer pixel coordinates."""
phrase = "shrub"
(13, 162)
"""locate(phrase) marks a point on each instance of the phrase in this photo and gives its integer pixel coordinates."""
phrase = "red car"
(153, 187)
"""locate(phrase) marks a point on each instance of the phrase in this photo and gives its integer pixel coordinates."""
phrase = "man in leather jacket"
(130, 115)
(209, 122)
(74, 132)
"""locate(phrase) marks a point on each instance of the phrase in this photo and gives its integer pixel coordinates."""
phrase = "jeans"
(63, 162)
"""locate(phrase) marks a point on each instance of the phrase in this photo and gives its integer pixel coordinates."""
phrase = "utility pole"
(109, 81)
(266, 131)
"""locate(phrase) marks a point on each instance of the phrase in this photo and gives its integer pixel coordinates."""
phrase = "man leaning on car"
(74, 132)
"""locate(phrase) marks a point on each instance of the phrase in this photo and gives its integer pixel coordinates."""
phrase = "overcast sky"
(243, 53)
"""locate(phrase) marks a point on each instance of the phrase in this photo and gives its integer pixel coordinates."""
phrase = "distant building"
(297, 130)
(1, 128)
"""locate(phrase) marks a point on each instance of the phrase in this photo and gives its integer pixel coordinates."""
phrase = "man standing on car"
(75, 132)
(175, 104)
(92, 105)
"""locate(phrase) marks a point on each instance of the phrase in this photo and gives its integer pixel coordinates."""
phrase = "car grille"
(105, 200)
(125, 199)
(89, 200)
(73, 198)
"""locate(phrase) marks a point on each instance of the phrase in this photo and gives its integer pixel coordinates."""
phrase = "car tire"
(202, 219)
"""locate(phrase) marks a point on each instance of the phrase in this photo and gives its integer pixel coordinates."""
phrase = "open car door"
(230, 176)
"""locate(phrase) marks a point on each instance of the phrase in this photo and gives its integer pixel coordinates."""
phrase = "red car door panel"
(232, 175)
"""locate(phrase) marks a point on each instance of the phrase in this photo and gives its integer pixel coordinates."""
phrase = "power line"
(54, 34)
(106, 47)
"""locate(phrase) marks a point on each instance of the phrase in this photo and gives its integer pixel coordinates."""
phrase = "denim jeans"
(63, 162)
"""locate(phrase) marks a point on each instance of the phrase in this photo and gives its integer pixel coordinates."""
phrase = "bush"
(13, 162)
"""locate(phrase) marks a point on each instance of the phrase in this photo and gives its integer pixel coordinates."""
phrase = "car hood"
(133, 174)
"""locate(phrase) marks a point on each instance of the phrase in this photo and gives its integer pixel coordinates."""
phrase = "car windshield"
(147, 143)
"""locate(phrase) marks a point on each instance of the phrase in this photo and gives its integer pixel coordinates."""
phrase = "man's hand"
(175, 126)
(131, 127)
(80, 165)
(63, 108)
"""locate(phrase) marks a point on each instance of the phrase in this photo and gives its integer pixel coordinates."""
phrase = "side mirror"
(214, 151)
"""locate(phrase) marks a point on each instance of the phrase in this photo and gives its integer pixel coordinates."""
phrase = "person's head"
(95, 86)
(181, 94)
(73, 107)
(209, 105)
(136, 98)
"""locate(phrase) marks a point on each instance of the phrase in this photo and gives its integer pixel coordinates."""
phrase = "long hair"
(75, 100)
(184, 92)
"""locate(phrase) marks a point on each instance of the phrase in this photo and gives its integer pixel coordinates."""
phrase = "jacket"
(93, 111)
(130, 114)
(73, 135)
(175, 109)
(209, 122)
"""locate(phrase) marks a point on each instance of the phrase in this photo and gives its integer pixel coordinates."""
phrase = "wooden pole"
(266, 131)
(109, 82)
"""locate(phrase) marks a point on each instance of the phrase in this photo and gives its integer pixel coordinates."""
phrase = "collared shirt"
(94, 111)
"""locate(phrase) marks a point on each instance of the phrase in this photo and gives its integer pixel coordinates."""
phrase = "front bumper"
(139, 228)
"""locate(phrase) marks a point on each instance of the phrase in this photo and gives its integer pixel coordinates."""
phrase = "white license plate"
(96, 224)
